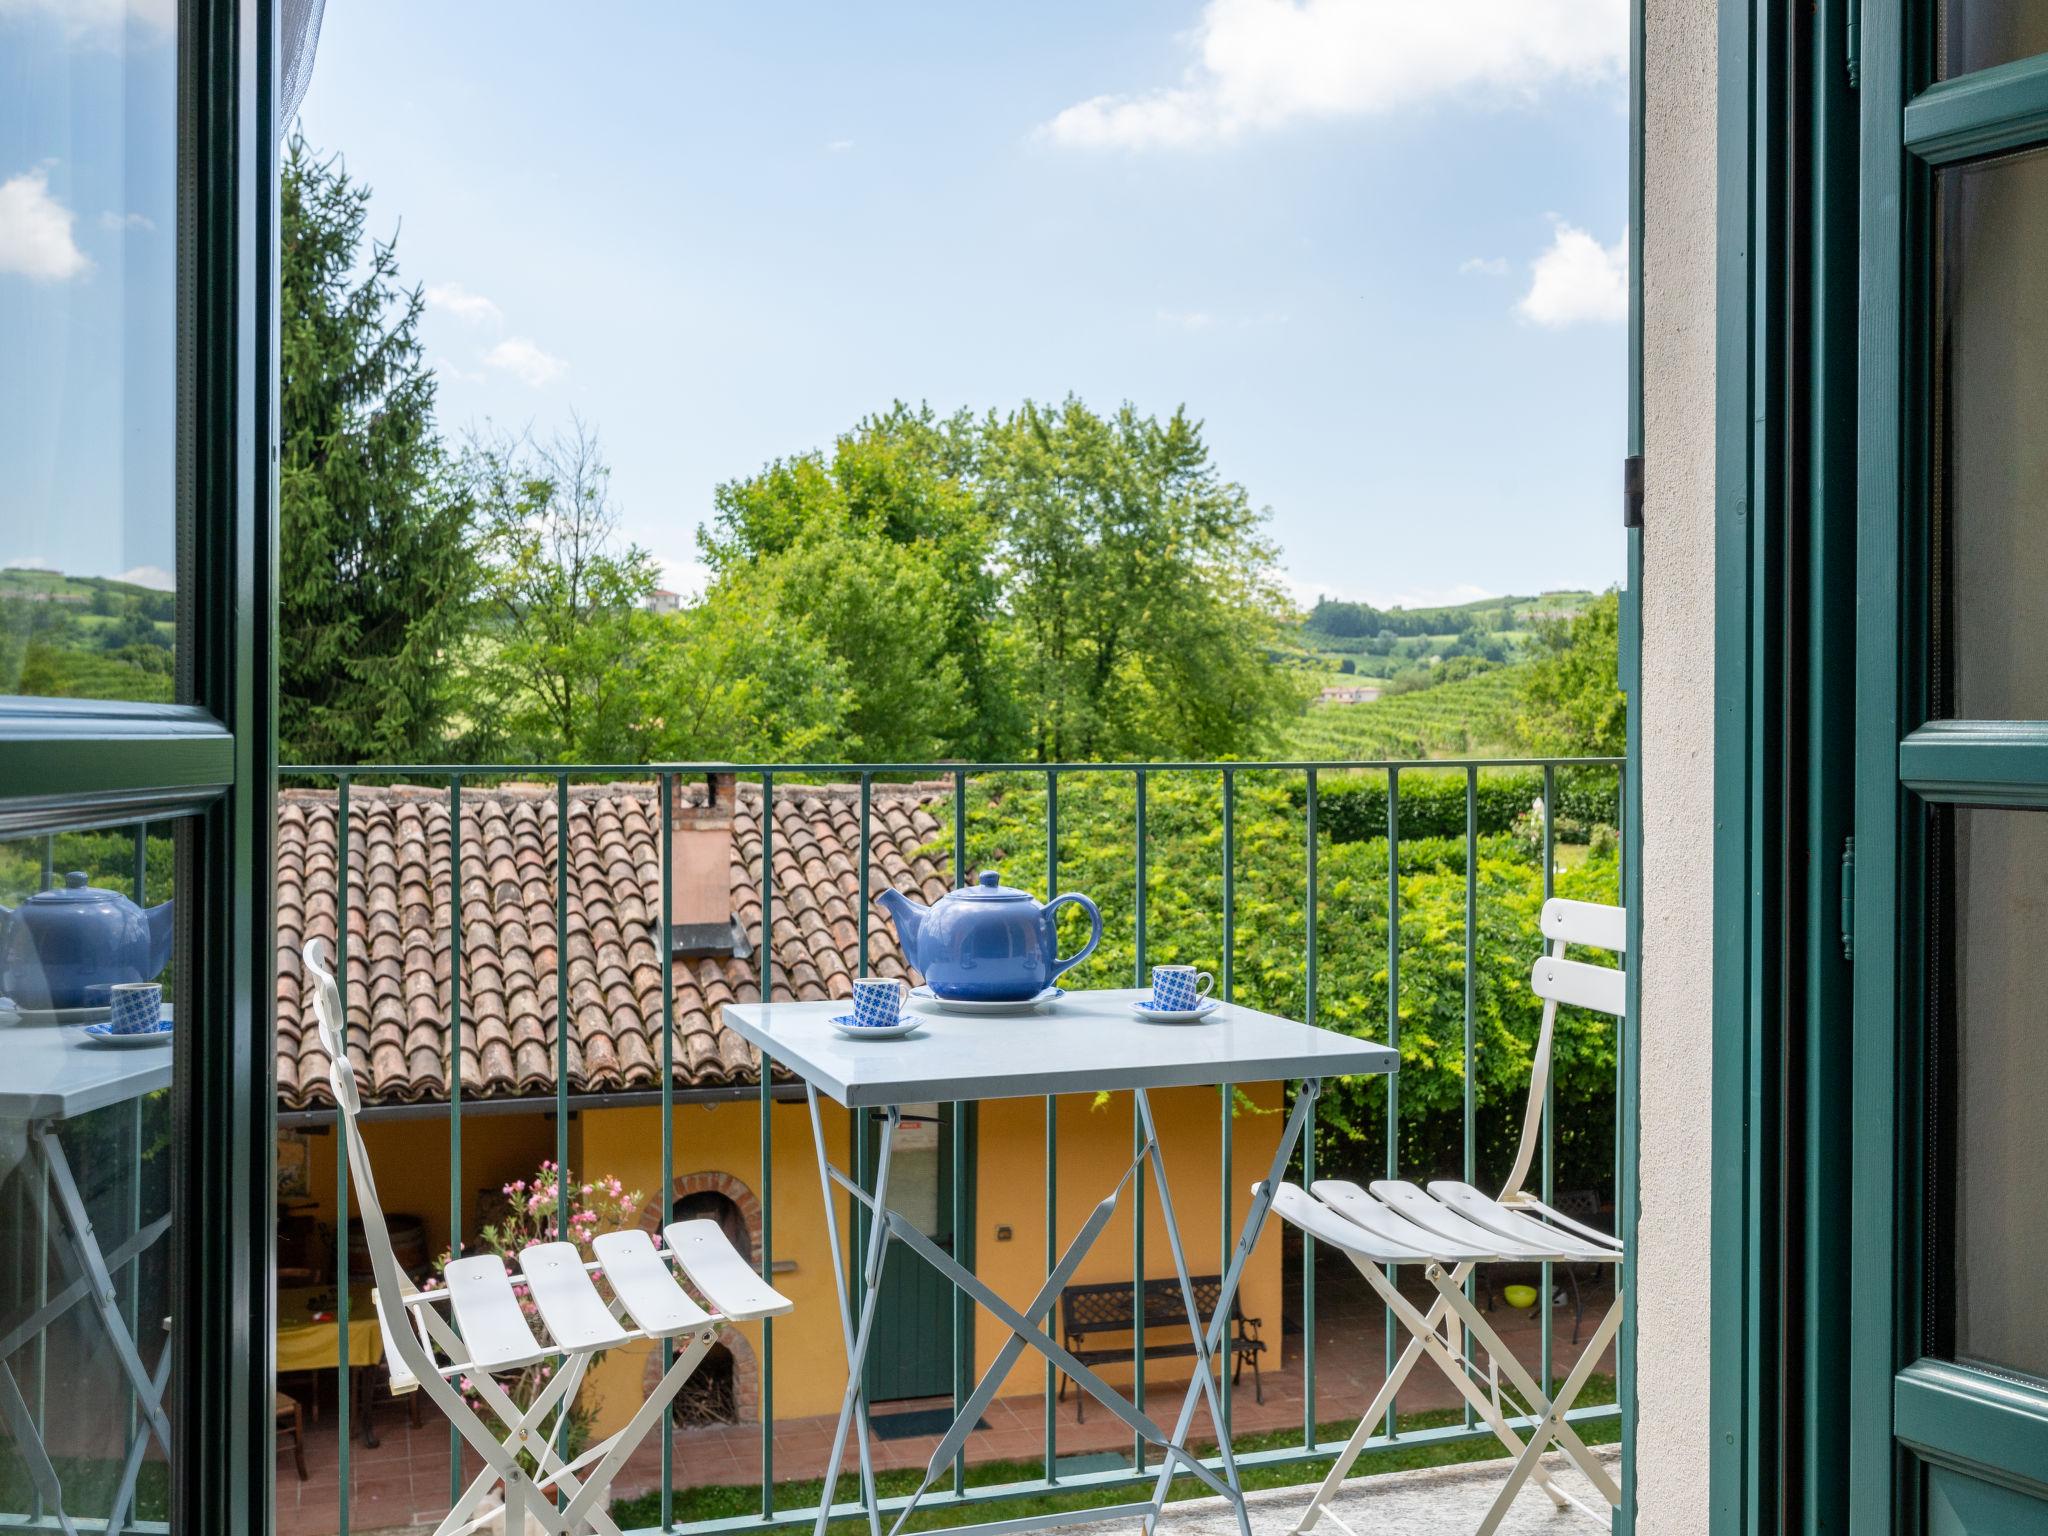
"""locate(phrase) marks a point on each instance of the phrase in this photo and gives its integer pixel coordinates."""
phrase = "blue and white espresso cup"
(138, 1006)
(877, 1002)
(1179, 988)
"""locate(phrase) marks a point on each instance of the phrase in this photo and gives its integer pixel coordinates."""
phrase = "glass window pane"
(1997, 1061)
(1976, 34)
(88, 1160)
(1992, 448)
(88, 334)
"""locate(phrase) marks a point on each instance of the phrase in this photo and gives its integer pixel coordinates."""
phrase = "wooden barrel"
(408, 1244)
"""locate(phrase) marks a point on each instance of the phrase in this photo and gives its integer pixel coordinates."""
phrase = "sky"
(1376, 247)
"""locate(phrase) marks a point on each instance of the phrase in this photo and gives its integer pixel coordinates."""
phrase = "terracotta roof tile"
(399, 909)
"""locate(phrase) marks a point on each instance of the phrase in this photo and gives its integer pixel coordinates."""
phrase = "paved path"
(1451, 1500)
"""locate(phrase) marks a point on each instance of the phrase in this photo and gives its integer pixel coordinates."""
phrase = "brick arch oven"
(726, 1388)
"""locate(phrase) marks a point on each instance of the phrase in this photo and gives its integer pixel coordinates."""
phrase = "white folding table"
(50, 1079)
(1086, 1042)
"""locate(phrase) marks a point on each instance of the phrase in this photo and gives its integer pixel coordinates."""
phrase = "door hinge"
(1632, 491)
(1848, 898)
(1854, 38)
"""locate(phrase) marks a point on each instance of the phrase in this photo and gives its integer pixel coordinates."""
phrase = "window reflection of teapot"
(67, 947)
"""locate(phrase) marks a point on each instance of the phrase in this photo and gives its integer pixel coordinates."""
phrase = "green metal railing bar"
(666, 779)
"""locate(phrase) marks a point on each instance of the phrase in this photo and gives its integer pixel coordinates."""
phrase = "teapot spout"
(161, 933)
(908, 917)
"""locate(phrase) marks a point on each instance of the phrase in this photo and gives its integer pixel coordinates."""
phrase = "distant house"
(661, 600)
(1347, 695)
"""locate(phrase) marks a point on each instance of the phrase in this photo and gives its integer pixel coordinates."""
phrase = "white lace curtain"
(300, 21)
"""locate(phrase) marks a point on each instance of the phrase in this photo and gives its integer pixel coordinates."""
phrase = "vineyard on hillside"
(1472, 717)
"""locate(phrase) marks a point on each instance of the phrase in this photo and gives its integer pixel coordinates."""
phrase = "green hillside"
(1468, 718)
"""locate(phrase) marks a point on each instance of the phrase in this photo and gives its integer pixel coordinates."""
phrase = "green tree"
(1140, 585)
(881, 551)
(1571, 701)
(727, 680)
(376, 572)
(556, 668)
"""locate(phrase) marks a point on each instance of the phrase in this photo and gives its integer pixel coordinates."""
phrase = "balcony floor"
(403, 1484)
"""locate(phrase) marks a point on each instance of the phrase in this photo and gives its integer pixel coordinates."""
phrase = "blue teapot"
(987, 943)
(65, 948)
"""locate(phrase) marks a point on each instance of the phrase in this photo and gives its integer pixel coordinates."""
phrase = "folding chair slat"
(726, 1279)
(1361, 1210)
(488, 1315)
(641, 1280)
(569, 1302)
(1482, 1210)
(1598, 987)
(1592, 924)
(1292, 1203)
(1426, 1211)
(1528, 1202)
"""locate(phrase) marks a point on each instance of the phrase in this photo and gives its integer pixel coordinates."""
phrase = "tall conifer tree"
(377, 569)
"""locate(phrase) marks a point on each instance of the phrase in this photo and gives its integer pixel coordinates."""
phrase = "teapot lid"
(989, 887)
(74, 890)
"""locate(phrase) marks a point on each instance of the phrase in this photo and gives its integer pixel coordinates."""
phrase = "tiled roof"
(399, 941)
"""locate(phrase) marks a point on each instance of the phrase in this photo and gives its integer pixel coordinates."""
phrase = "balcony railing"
(1314, 780)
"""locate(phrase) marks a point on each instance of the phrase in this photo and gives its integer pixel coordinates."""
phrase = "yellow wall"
(1095, 1148)
(410, 1160)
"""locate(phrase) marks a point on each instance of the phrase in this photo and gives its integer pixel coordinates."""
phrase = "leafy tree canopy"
(1572, 703)
(1053, 584)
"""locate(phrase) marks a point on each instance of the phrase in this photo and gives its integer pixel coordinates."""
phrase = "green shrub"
(1184, 922)
(1354, 808)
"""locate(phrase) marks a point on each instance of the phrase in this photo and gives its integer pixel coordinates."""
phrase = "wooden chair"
(291, 1420)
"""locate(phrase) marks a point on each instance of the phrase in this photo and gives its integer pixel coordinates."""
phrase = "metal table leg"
(94, 1283)
(1209, 1340)
(853, 1408)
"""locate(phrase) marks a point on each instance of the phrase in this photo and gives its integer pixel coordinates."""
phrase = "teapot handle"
(1060, 965)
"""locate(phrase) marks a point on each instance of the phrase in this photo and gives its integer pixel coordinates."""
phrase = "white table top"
(47, 1074)
(1086, 1042)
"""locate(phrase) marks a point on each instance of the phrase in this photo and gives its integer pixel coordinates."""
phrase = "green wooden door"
(912, 1352)
(1949, 1337)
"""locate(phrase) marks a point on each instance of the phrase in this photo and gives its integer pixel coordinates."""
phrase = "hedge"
(1353, 809)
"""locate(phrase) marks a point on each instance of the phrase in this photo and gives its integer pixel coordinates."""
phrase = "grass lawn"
(718, 1503)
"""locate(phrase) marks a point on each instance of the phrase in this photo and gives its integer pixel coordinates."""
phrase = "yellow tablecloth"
(306, 1345)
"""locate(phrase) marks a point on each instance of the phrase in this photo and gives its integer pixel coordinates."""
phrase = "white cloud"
(1578, 280)
(470, 308)
(1262, 64)
(524, 360)
(154, 577)
(1186, 319)
(839, 146)
(1484, 266)
(119, 222)
(26, 563)
(35, 231)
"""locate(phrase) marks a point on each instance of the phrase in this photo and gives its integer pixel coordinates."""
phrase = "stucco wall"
(1095, 1146)
(1677, 743)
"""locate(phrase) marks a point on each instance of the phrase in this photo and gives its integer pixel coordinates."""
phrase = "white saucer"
(1145, 1008)
(102, 1036)
(924, 997)
(844, 1024)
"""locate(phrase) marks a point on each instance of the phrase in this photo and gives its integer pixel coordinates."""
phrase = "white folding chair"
(485, 1329)
(1451, 1227)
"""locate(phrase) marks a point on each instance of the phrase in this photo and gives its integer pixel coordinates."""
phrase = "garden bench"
(1091, 1311)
